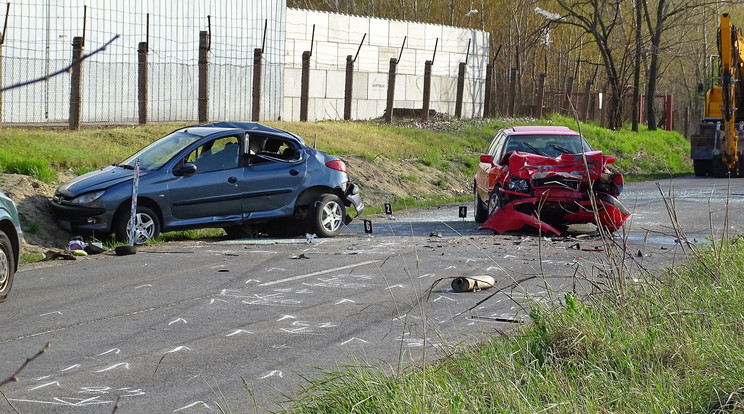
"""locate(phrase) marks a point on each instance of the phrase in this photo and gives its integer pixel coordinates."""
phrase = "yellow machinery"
(714, 149)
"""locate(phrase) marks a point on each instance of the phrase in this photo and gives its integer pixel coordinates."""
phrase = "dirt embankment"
(381, 181)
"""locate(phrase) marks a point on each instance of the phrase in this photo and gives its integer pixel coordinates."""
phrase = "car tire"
(125, 250)
(7, 266)
(327, 216)
(495, 200)
(146, 229)
(481, 211)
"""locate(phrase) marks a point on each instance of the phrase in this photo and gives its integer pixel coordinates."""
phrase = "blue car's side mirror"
(187, 170)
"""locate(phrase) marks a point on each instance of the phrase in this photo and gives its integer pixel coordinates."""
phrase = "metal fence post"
(460, 89)
(76, 82)
(349, 87)
(257, 74)
(305, 85)
(391, 91)
(142, 82)
(203, 76)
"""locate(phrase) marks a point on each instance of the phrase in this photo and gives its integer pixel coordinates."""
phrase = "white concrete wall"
(338, 35)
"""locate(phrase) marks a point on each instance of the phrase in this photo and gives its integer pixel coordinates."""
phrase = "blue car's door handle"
(293, 172)
(232, 180)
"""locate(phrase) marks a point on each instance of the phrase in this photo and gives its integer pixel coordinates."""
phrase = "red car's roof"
(543, 130)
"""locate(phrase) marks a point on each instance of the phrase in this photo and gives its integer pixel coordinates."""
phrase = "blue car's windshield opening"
(153, 156)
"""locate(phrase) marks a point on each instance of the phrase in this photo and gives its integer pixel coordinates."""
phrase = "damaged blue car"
(245, 177)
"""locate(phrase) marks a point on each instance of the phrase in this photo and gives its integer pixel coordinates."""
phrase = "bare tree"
(605, 21)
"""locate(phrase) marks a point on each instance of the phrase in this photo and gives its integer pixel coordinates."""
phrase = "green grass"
(42, 153)
(673, 343)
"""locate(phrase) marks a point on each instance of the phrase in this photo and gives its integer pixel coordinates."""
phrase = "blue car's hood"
(96, 180)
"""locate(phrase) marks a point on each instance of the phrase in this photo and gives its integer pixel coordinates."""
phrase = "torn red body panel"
(549, 193)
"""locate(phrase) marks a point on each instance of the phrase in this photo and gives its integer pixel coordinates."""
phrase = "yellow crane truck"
(714, 149)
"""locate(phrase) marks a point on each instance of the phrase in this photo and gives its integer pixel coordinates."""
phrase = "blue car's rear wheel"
(327, 215)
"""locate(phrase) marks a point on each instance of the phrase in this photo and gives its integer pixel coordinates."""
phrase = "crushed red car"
(544, 177)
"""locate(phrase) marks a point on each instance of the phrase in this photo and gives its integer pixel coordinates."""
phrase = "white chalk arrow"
(285, 317)
(178, 320)
(275, 373)
(252, 280)
(114, 350)
(444, 297)
(141, 286)
(239, 331)
(426, 275)
(179, 348)
(395, 286)
(354, 339)
(51, 313)
(344, 301)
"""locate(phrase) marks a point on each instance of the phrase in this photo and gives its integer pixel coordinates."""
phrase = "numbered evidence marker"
(368, 226)
(463, 211)
(388, 209)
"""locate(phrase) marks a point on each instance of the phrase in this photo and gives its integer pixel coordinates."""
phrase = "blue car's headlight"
(518, 184)
(88, 197)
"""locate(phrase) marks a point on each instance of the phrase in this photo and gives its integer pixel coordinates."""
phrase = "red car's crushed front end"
(550, 193)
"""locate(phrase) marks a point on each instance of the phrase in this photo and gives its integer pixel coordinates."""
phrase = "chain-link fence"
(38, 41)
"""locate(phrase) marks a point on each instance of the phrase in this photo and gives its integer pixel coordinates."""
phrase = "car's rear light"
(337, 165)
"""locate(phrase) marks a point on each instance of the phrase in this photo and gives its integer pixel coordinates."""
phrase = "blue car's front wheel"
(146, 226)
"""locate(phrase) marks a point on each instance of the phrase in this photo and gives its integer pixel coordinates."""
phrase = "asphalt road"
(187, 326)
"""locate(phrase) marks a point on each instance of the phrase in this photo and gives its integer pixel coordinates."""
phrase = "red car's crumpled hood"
(526, 165)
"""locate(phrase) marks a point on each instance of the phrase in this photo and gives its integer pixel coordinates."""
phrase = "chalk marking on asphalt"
(71, 367)
(275, 373)
(344, 301)
(178, 320)
(114, 350)
(285, 317)
(120, 364)
(239, 331)
(45, 385)
(354, 339)
(145, 285)
(192, 405)
(50, 313)
(321, 272)
(179, 348)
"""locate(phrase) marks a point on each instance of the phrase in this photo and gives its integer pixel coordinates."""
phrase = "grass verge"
(673, 343)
